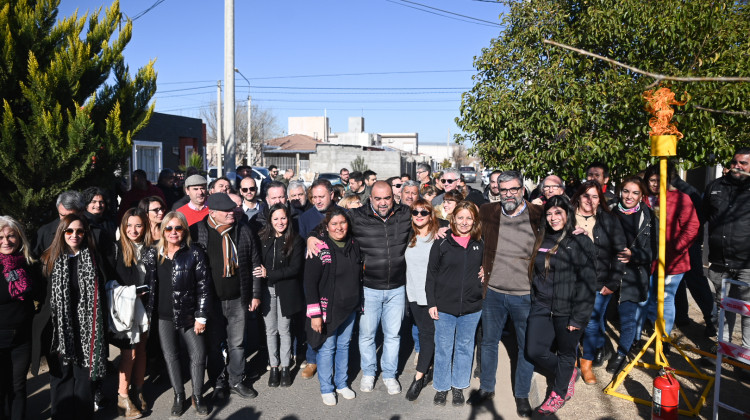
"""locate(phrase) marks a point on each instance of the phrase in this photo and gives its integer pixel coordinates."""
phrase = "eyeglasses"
(549, 187)
(77, 232)
(157, 210)
(448, 181)
(177, 228)
(397, 185)
(420, 213)
(513, 190)
(249, 189)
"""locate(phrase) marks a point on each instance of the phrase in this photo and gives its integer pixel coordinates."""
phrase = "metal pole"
(230, 154)
(250, 150)
(219, 132)
(660, 324)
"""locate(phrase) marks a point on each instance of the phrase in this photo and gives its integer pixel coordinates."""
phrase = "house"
(291, 151)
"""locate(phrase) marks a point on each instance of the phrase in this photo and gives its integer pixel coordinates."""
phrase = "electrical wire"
(445, 13)
(150, 8)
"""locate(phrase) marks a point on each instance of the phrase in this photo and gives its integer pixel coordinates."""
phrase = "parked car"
(469, 173)
(333, 177)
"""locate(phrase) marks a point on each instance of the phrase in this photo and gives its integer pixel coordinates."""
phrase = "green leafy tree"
(69, 105)
(541, 108)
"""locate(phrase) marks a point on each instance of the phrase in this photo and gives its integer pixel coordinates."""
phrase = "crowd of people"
(163, 272)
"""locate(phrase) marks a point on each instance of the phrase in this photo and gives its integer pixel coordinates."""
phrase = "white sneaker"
(393, 386)
(347, 393)
(367, 384)
(329, 398)
(303, 364)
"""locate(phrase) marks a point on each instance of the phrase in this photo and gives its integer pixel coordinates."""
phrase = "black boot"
(178, 406)
(286, 377)
(600, 356)
(415, 388)
(200, 405)
(616, 363)
(273, 377)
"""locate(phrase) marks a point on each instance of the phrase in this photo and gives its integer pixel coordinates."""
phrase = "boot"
(588, 375)
(273, 377)
(140, 400)
(200, 405)
(178, 406)
(127, 409)
(415, 388)
(286, 377)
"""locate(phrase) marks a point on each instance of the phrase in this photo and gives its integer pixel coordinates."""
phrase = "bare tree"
(264, 127)
(460, 155)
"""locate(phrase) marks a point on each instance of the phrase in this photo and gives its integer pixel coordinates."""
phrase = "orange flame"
(658, 104)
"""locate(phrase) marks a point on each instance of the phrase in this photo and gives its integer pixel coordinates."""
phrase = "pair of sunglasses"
(253, 189)
(77, 232)
(420, 213)
(177, 228)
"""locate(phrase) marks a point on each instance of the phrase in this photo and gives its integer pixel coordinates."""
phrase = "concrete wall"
(408, 142)
(331, 158)
(315, 127)
(356, 139)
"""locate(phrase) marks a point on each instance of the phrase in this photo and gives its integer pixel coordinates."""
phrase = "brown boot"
(309, 371)
(127, 409)
(588, 375)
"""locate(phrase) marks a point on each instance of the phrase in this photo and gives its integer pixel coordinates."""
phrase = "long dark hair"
(562, 202)
(268, 232)
(59, 247)
(433, 224)
(333, 212)
(576, 200)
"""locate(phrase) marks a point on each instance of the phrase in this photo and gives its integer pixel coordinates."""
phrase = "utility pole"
(250, 151)
(231, 146)
(219, 132)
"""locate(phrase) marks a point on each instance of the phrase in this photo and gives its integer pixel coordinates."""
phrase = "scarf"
(88, 312)
(15, 274)
(629, 211)
(228, 249)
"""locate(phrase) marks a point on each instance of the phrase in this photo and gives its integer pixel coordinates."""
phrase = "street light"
(250, 151)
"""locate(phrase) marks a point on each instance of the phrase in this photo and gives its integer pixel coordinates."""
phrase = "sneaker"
(393, 386)
(303, 364)
(458, 397)
(554, 402)
(347, 393)
(329, 398)
(367, 384)
(440, 397)
(572, 384)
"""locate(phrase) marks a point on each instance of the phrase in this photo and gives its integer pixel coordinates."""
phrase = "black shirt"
(164, 284)
(544, 278)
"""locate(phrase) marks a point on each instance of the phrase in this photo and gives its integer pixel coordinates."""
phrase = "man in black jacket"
(726, 205)
(232, 256)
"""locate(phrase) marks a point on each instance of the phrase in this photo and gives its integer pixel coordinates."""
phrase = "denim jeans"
(671, 283)
(196, 349)
(335, 352)
(227, 324)
(415, 335)
(716, 274)
(454, 350)
(278, 330)
(631, 316)
(593, 336)
(387, 306)
(496, 309)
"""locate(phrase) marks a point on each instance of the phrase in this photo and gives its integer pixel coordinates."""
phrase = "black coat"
(726, 206)
(383, 245)
(609, 239)
(286, 277)
(637, 271)
(191, 283)
(453, 283)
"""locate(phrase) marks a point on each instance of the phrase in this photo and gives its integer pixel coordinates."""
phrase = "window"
(147, 155)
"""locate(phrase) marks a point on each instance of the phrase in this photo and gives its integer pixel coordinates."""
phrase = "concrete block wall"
(331, 158)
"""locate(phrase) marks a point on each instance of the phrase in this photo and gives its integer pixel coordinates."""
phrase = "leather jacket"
(191, 283)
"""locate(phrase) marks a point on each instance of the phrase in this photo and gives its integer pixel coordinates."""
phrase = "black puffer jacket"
(726, 206)
(453, 283)
(609, 239)
(643, 249)
(191, 283)
(383, 245)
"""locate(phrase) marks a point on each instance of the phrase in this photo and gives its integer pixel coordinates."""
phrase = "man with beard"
(507, 287)
(492, 192)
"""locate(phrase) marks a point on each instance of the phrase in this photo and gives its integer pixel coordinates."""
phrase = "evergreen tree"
(69, 106)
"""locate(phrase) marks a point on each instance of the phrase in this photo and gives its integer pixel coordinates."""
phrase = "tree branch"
(723, 111)
(658, 77)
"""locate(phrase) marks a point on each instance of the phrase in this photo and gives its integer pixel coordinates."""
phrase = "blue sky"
(429, 57)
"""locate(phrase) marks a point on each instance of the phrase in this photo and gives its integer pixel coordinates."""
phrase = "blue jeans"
(335, 350)
(593, 336)
(388, 306)
(495, 311)
(631, 316)
(415, 336)
(454, 350)
(671, 283)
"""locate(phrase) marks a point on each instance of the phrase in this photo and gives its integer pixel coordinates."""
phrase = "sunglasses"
(157, 210)
(420, 213)
(397, 185)
(448, 181)
(249, 189)
(177, 228)
(77, 232)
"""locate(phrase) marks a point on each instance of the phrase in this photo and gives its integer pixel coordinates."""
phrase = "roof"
(295, 142)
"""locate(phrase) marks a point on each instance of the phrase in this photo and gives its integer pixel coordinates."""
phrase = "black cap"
(221, 202)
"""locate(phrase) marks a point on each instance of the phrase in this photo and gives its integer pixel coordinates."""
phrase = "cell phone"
(143, 289)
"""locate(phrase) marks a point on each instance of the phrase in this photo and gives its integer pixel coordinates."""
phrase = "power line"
(150, 8)
(445, 13)
(361, 74)
(350, 88)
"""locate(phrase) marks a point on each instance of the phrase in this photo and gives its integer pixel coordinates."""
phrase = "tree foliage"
(540, 108)
(69, 104)
(359, 164)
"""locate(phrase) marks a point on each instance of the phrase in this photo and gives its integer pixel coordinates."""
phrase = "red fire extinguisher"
(666, 396)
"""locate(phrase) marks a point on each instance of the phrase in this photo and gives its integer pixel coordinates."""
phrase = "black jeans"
(426, 327)
(226, 325)
(542, 330)
(71, 390)
(196, 350)
(14, 364)
(695, 281)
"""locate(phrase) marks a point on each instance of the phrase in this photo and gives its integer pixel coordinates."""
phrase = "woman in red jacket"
(682, 229)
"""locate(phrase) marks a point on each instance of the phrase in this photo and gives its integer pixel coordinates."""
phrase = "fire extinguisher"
(666, 396)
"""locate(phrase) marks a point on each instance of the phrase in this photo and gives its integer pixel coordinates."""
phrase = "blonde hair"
(9, 222)
(161, 246)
